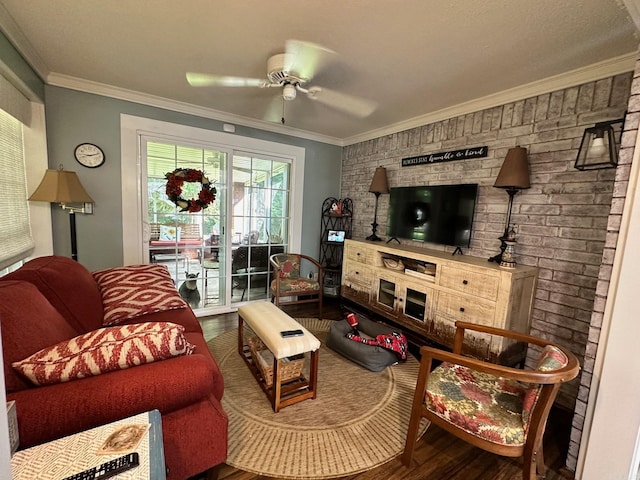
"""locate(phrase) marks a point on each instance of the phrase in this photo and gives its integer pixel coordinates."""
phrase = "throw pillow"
(170, 233)
(105, 350)
(136, 290)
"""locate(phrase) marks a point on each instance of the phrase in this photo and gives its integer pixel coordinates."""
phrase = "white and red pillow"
(136, 290)
(105, 350)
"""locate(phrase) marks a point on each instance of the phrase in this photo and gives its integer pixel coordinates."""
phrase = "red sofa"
(51, 299)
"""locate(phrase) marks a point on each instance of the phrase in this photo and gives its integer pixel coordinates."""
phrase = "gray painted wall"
(74, 117)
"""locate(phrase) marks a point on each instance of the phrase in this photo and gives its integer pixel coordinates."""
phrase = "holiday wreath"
(175, 181)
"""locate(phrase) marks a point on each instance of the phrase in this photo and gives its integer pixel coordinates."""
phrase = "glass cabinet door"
(386, 293)
(415, 304)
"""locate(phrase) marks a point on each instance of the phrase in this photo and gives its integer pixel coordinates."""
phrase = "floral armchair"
(500, 409)
(289, 283)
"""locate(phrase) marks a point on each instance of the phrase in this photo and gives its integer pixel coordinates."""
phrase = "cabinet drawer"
(356, 253)
(472, 283)
(357, 275)
(457, 307)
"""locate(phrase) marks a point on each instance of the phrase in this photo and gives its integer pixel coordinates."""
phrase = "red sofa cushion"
(136, 290)
(105, 350)
(29, 323)
(68, 286)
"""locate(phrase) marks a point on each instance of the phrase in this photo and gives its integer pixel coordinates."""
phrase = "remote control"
(108, 469)
(291, 333)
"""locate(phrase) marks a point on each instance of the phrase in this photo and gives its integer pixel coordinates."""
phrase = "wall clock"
(89, 155)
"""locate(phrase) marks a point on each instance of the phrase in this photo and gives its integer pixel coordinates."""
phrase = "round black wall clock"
(89, 155)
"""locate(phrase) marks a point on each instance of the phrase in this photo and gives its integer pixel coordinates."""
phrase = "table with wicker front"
(277, 362)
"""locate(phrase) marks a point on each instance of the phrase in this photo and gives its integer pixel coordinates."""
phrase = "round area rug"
(358, 421)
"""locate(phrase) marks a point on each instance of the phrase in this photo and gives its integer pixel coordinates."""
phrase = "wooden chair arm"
(274, 261)
(528, 376)
(521, 337)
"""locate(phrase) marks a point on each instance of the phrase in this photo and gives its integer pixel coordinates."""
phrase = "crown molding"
(87, 86)
(596, 71)
(13, 33)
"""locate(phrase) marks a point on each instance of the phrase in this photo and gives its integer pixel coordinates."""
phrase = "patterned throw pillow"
(136, 290)
(105, 350)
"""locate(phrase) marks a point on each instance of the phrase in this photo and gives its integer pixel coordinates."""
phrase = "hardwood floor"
(438, 455)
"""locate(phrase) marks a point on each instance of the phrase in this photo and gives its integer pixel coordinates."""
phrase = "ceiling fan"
(292, 71)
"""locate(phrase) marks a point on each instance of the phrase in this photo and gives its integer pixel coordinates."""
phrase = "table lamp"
(379, 185)
(63, 187)
(513, 177)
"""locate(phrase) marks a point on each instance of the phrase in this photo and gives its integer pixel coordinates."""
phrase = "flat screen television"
(441, 214)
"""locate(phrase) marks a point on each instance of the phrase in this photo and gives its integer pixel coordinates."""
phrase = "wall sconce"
(598, 148)
(63, 187)
(379, 185)
(513, 177)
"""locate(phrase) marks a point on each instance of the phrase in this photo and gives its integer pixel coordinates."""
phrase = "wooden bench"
(267, 321)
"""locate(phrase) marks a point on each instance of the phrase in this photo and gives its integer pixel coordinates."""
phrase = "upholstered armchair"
(500, 409)
(289, 286)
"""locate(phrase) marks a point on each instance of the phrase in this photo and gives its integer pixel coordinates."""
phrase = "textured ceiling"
(411, 57)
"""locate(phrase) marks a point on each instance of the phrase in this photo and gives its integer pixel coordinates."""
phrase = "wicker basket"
(290, 368)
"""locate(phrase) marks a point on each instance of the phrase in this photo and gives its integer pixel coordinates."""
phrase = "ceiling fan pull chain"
(282, 119)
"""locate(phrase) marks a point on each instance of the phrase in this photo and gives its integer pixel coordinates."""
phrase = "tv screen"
(336, 236)
(440, 214)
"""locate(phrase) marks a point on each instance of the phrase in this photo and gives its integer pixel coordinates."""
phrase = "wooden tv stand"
(430, 290)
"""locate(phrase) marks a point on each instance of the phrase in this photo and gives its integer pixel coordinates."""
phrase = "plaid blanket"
(396, 342)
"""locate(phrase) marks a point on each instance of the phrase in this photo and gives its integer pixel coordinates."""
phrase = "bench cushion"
(267, 321)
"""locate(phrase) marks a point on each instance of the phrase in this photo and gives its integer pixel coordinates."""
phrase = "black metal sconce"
(599, 148)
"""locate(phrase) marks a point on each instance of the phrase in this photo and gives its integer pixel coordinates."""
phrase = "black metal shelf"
(337, 217)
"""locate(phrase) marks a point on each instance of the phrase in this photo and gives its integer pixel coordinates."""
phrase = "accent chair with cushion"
(290, 286)
(500, 409)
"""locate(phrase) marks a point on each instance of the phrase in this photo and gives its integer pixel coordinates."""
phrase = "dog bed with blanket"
(367, 349)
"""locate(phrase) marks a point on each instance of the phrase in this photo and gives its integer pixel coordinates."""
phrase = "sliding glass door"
(259, 219)
(218, 256)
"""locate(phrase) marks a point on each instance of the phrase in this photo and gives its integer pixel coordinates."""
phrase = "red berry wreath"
(176, 179)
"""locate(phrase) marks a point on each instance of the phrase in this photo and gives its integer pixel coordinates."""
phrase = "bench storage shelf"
(427, 291)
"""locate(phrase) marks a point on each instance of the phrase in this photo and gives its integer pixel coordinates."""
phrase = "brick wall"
(632, 120)
(564, 225)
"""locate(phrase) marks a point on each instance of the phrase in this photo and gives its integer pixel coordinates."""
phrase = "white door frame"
(133, 192)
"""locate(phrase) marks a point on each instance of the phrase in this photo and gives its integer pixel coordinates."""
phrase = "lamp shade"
(379, 183)
(514, 173)
(60, 186)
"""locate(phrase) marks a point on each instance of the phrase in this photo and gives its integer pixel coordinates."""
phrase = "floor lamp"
(513, 177)
(63, 187)
(379, 185)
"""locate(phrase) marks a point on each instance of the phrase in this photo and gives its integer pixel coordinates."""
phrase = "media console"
(426, 291)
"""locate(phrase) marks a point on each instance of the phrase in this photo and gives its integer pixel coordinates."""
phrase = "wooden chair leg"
(529, 465)
(540, 466)
(410, 443)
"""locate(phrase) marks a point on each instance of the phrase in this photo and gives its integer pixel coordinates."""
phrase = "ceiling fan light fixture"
(289, 92)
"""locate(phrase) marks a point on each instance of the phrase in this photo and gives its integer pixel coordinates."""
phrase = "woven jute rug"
(358, 421)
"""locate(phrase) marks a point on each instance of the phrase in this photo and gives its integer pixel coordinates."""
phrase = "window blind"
(15, 232)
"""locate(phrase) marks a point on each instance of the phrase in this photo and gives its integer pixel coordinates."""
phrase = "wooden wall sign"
(465, 153)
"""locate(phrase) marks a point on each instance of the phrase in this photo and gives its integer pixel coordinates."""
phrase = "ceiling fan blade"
(207, 80)
(305, 59)
(359, 107)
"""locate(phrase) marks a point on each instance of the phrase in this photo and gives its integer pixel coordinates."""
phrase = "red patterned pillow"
(105, 350)
(136, 290)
